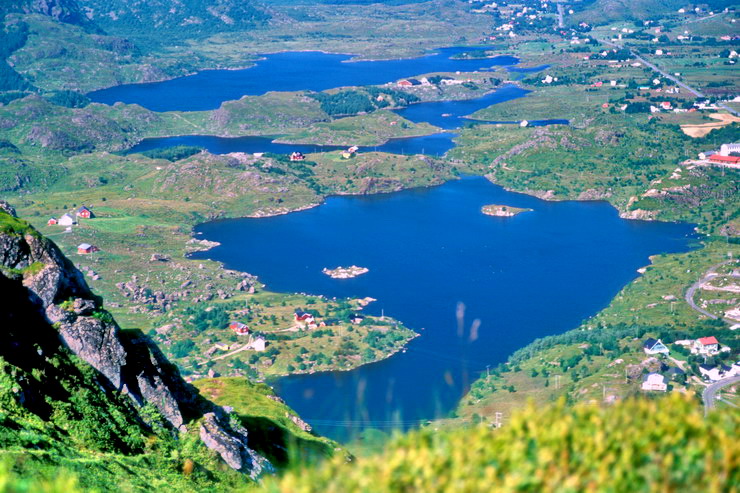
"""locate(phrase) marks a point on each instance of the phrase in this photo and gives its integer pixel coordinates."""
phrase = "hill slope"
(78, 393)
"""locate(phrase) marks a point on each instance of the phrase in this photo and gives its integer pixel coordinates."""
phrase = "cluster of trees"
(353, 102)
(173, 153)
(202, 318)
(382, 341)
(344, 103)
(68, 99)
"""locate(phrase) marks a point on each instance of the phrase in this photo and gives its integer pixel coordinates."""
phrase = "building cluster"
(727, 155)
(69, 219)
(255, 342)
(704, 346)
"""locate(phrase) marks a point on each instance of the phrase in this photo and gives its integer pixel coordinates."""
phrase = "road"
(668, 76)
(710, 393)
(709, 274)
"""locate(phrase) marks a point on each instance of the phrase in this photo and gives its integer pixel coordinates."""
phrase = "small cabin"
(86, 248)
(52, 221)
(297, 156)
(357, 318)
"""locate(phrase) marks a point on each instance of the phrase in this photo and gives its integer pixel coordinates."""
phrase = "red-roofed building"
(706, 345)
(239, 328)
(52, 221)
(733, 161)
(404, 83)
(84, 213)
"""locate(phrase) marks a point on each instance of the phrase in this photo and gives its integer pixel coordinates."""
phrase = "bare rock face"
(7, 208)
(127, 361)
(97, 343)
(229, 440)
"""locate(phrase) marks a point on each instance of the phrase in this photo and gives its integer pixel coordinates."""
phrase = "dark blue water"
(291, 71)
(428, 250)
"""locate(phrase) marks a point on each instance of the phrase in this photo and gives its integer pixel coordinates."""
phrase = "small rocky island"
(502, 210)
(345, 272)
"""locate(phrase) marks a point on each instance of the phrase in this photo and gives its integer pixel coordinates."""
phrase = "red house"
(86, 248)
(84, 212)
(716, 158)
(239, 328)
(297, 156)
(52, 221)
(300, 316)
(404, 83)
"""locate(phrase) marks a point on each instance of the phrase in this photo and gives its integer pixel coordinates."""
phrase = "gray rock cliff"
(127, 361)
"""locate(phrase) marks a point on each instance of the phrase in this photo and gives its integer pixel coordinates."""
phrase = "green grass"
(640, 445)
(271, 430)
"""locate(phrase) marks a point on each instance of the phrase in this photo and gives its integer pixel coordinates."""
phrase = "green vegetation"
(638, 445)
(173, 153)
(274, 429)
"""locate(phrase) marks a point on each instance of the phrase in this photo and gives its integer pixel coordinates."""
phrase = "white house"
(706, 345)
(653, 346)
(259, 343)
(727, 149)
(66, 220)
(654, 382)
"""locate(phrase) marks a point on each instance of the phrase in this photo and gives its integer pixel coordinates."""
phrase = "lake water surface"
(289, 71)
(430, 252)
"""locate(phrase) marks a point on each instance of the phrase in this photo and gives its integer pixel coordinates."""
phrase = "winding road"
(668, 76)
(710, 393)
(709, 274)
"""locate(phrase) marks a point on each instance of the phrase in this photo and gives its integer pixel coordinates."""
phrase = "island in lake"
(345, 272)
(502, 210)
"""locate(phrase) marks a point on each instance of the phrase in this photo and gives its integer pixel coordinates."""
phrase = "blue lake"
(431, 252)
(289, 71)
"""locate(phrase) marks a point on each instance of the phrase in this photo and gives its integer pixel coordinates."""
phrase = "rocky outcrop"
(127, 361)
(229, 439)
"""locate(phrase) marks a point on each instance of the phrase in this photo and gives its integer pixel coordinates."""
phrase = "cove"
(287, 71)
(438, 264)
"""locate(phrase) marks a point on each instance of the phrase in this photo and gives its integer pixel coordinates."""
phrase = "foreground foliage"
(662, 445)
